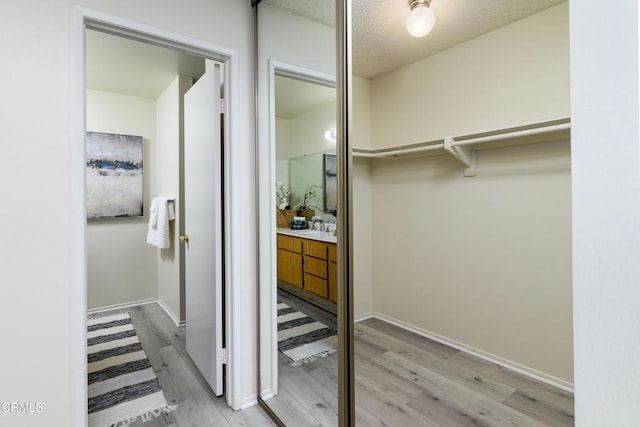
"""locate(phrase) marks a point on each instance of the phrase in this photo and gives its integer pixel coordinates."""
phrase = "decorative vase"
(284, 218)
(307, 213)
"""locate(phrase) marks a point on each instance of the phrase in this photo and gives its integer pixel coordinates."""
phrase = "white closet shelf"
(464, 147)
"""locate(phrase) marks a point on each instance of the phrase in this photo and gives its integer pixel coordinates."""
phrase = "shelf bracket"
(463, 153)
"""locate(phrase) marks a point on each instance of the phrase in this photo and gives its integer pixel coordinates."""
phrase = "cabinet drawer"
(289, 243)
(315, 266)
(332, 252)
(315, 249)
(316, 285)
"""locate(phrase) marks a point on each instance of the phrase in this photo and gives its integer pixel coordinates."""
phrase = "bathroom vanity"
(307, 265)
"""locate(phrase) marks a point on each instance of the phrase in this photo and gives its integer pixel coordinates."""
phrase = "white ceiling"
(381, 42)
(294, 97)
(117, 64)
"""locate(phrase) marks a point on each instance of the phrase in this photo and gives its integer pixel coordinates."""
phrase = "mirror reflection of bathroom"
(306, 178)
(306, 181)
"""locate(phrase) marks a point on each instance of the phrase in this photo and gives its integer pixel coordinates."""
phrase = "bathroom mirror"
(316, 171)
(297, 123)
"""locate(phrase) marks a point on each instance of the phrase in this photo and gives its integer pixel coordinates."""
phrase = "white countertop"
(321, 236)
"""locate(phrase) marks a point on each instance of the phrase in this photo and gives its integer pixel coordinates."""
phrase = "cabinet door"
(316, 285)
(290, 267)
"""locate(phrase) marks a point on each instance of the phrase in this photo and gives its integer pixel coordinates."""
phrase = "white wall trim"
(509, 364)
(170, 313)
(362, 317)
(248, 402)
(139, 31)
(122, 305)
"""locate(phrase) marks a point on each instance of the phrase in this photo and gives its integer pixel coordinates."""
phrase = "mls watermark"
(21, 407)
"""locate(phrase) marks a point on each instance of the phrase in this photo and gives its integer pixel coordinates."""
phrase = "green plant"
(310, 196)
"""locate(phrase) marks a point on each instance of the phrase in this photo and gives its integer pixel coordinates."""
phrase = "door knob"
(184, 239)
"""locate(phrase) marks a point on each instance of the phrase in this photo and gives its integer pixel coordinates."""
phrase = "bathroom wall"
(170, 121)
(303, 138)
(121, 267)
(283, 141)
(483, 262)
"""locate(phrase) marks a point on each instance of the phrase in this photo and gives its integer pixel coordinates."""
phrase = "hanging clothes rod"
(509, 135)
(541, 128)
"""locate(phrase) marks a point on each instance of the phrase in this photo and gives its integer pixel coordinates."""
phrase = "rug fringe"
(147, 416)
(313, 357)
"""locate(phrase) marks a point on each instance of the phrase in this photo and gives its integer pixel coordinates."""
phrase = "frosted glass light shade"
(420, 21)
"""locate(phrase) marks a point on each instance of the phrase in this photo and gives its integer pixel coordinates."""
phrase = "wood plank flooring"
(180, 380)
(403, 379)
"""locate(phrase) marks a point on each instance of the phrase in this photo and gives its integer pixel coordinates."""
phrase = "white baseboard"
(509, 364)
(267, 394)
(170, 313)
(363, 316)
(248, 402)
(120, 306)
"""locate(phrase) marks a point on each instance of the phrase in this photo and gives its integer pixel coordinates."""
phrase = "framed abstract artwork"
(114, 176)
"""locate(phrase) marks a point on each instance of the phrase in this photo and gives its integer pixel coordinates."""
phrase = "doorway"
(228, 58)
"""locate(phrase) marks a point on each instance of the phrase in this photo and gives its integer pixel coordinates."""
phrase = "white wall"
(606, 211)
(483, 262)
(362, 202)
(41, 234)
(283, 141)
(308, 128)
(121, 267)
(511, 76)
(306, 142)
(168, 159)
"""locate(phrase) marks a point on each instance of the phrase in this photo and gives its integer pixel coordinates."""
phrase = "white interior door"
(203, 226)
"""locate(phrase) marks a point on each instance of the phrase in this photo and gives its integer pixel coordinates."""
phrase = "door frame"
(86, 18)
(267, 295)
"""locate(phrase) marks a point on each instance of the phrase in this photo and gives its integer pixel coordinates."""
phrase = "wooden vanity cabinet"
(309, 265)
(333, 274)
(290, 260)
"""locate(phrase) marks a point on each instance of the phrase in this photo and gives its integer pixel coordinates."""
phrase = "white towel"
(161, 212)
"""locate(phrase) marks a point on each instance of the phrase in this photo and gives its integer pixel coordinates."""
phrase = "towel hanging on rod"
(161, 212)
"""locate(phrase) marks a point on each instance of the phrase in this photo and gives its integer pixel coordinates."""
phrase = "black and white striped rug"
(122, 385)
(302, 338)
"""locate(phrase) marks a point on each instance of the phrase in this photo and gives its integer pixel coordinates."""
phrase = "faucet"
(318, 221)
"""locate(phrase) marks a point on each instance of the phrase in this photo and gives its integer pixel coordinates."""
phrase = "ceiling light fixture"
(421, 19)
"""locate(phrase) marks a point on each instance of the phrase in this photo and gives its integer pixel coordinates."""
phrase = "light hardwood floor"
(402, 379)
(164, 344)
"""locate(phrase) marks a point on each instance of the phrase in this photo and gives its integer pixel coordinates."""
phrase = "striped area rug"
(301, 338)
(122, 385)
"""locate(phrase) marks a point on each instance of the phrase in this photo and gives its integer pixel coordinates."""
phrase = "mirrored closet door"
(299, 227)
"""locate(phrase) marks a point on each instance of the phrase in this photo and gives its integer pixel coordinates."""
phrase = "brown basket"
(307, 213)
(284, 218)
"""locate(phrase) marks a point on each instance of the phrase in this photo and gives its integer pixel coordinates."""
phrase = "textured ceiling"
(381, 42)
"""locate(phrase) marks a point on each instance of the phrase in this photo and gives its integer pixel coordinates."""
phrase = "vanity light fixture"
(421, 18)
(330, 135)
